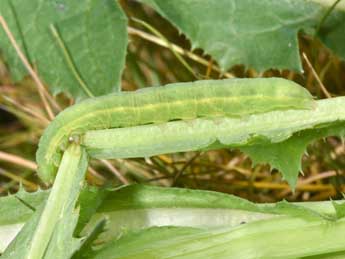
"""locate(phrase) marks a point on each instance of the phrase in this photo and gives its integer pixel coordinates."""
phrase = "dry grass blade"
(100, 179)
(177, 49)
(18, 160)
(32, 112)
(311, 179)
(32, 186)
(177, 55)
(115, 171)
(186, 165)
(323, 88)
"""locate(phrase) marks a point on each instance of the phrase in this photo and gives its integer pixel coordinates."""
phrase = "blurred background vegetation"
(155, 59)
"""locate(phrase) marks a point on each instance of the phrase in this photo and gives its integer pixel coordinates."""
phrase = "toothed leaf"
(286, 156)
(15, 210)
(257, 34)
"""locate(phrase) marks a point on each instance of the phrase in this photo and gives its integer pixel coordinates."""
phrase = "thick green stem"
(68, 183)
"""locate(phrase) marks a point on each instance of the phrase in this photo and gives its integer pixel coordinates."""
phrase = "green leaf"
(49, 232)
(286, 155)
(90, 199)
(137, 240)
(138, 206)
(135, 207)
(336, 255)
(258, 239)
(332, 32)
(93, 32)
(15, 210)
(229, 239)
(258, 34)
(87, 248)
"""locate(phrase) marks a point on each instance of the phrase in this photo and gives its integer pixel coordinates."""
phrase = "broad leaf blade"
(138, 206)
(135, 207)
(93, 32)
(297, 238)
(257, 34)
(333, 33)
(16, 208)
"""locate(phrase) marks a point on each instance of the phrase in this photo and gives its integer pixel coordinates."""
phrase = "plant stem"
(67, 184)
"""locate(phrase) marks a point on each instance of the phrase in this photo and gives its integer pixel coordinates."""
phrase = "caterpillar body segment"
(179, 101)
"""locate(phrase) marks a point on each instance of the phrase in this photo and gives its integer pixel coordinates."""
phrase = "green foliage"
(214, 242)
(332, 32)
(137, 206)
(97, 54)
(15, 210)
(229, 239)
(281, 237)
(286, 155)
(49, 232)
(142, 215)
(19, 208)
(257, 34)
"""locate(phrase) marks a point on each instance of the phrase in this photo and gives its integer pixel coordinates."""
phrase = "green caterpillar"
(180, 101)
